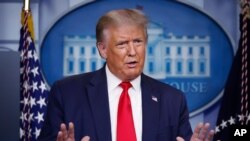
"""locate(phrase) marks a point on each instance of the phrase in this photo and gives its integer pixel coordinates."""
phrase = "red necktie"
(125, 123)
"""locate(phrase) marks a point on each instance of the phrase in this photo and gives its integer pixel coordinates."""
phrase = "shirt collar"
(114, 81)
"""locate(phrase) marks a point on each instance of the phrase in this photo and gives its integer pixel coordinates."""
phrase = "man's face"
(124, 49)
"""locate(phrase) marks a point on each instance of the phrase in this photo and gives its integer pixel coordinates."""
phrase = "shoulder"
(72, 88)
(74, 79)
(78, 79)
(76, 82)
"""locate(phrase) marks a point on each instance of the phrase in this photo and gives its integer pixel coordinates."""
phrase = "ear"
(102, 49)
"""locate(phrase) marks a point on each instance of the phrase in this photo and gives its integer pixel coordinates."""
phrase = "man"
(119, 102)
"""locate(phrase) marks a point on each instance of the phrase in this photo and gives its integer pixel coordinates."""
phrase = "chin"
(132, 76)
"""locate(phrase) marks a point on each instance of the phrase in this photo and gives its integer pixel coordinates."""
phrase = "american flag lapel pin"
(154, 99)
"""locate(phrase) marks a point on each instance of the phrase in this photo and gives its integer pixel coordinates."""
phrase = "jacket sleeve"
(54, 115)
(185, 130)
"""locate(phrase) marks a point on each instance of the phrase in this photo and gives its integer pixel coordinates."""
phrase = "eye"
(138, 41)
(122, 44)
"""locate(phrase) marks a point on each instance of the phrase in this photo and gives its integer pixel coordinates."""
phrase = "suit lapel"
(150, 110)
(98, 98)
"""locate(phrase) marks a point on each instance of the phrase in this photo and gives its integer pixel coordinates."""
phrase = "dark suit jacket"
(83, 100)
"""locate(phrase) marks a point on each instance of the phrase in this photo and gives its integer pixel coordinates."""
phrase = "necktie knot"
(125, 85)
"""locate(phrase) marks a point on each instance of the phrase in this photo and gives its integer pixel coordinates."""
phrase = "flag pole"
(31, 114)
(26, 14)
(26, 5)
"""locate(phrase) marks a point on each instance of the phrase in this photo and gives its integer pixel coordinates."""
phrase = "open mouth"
(132, 64)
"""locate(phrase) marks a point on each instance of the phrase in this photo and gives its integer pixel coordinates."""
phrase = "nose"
(131, 49)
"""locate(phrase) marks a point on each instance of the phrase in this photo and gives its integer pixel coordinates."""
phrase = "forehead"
(125, 30)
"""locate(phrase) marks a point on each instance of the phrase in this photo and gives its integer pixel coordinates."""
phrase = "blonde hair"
(120, 17)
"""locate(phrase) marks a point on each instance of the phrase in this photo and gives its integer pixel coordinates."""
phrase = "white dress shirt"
(114, 92)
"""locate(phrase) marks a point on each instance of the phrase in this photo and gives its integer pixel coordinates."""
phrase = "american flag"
(33, 89)
(235, 105)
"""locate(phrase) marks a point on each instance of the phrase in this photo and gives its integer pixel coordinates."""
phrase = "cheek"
(118, 55)
(142, 54)
(116, 59)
